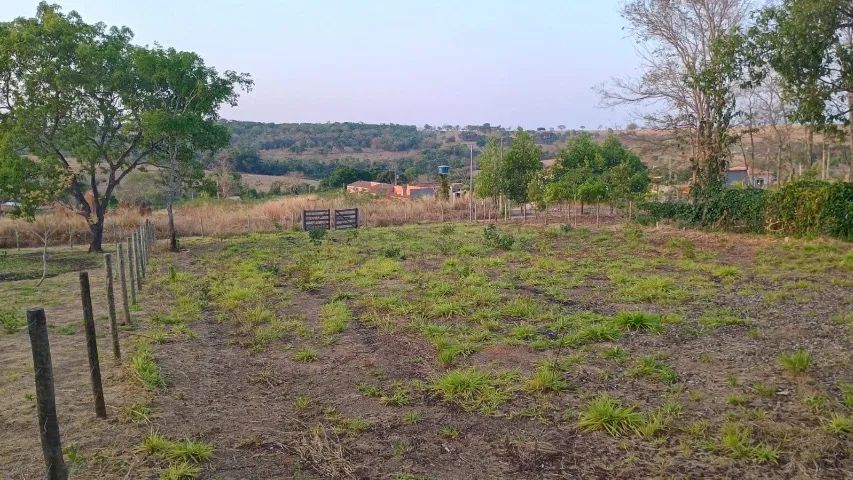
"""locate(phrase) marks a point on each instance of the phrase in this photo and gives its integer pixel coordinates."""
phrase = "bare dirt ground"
(237, 382)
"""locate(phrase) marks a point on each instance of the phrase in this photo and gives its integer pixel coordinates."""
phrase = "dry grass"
(226, 218)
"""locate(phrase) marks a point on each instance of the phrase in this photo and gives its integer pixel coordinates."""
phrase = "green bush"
(801, 208)
(812, 208)
(496, 238)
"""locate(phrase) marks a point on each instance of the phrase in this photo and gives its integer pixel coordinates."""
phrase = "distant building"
(372, 188)
(749, 177)
(416, 191)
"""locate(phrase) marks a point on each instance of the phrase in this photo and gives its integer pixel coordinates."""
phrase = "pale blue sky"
(394, 61)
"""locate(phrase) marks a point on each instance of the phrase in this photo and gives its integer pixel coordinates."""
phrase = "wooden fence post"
(130, 270)
(137, 257)
(111, 304)
(143, 241)
(92, 346)
(123, 279)
(48, 424)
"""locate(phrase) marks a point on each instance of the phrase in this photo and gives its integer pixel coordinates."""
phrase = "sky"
(415, 62)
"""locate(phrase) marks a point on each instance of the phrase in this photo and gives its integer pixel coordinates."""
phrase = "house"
(371, 188)
(749, 177)
(417, 191)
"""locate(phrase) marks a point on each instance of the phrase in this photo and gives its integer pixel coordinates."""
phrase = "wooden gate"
(316, 220)
(346, 218)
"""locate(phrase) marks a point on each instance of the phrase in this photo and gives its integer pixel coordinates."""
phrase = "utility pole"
(471, 187)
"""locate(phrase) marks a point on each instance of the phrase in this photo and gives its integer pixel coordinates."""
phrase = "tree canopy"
(89, 107)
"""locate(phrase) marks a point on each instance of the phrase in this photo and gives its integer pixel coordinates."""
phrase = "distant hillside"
(313, 150)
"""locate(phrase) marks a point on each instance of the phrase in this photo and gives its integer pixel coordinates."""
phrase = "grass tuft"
(607, 413)
(639, 321)
(796, 363)
(145, 368)
(334, 317)
(472, 389)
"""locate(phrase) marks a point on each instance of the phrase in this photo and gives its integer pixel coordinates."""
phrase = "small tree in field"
(183, 120)
(593, 191)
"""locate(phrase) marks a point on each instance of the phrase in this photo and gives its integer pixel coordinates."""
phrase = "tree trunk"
(810, 143)
(43, 260)
(97, 229)
(173, 234)
(850, 137)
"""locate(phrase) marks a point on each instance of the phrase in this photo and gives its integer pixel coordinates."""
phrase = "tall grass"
(230, 217)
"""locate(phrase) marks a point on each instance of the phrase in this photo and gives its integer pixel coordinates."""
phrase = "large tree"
(78, 97)
(685, 80)
(521, 163)
(809, 45)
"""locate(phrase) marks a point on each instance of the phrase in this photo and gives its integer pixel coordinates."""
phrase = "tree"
(687, 73)
(593, 191)
(487, 184)
(809, 44)
(521, 163)
(183, 117)
(78, 97)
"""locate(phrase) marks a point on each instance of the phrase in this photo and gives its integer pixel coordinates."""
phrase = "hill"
(313, 150)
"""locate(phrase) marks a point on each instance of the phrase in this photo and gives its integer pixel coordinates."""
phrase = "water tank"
(443, 169)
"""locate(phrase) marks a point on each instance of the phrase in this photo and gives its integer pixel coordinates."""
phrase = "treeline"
(324, 137)
(425, 164)
(585, 171)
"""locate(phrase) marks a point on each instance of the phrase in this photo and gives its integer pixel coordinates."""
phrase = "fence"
(322, 219)
(139, 250)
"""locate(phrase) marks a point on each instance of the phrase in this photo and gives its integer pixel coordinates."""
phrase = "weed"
(764, 390)
(472, 389)
(302, 402)
(639, 321)
(497, 239)
(816, 402)
(737, 399)
(720, 317)
(656, 368)
(139, 412)
(547, 378)
(307, 354)
(838, 423)
(846, 394)
(686, 246)
(607, 413)
(615, 353)
(796, 363)
(369, 390)
(334, 317)
(413, 417)
(11, 320)
(316, 235)
(736, 441)
(180, 471)
(449, 432)
(145, 368)
(399, 396)
(653, 288)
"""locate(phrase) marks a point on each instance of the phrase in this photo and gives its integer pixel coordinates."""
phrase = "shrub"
(804, 207)
(316, 235)
(497, 239)
(11, 320)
